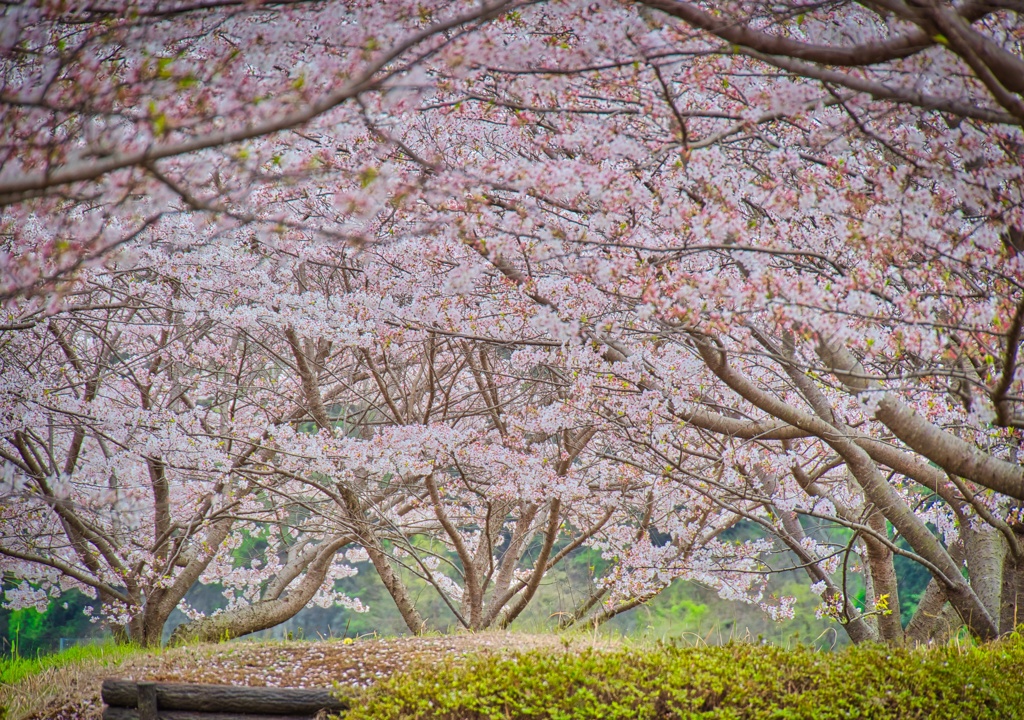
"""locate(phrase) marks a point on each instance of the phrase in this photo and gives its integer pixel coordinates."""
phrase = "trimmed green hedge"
(730, 682)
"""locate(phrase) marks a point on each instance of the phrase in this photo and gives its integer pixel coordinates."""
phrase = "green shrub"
(730, 682)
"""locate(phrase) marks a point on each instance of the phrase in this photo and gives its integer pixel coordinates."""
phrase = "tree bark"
(946, 450)
(856, 626)
(877, 490)
(884, 582)
(986, 550)
(1012, 594)
(148, 627)
(945, 626)
(381, 563)
(539, 567)
(881, 573)
(267, 612)
(930, 606)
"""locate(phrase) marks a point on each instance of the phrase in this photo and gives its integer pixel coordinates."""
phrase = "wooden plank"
(123, 713)
(147, 701)
(225, 698)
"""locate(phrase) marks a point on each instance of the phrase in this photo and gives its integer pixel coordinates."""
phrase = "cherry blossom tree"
(134, 437)
(837, 314)
(153, 429)
(481, 273)
(450, 456)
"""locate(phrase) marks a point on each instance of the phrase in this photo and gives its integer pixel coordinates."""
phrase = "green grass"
(729, 682)
(13, 669)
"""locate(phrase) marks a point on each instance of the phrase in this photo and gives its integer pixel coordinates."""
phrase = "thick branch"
(946, 450)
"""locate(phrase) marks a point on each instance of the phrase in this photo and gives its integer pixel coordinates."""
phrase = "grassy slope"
(30, 683)
(734, 681)
(15, 669)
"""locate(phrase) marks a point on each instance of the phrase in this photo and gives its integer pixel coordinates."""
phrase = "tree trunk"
(856, 626)
(146, 628)
(876, 489)
(884, 583)
(381, 563)
(946, 450)
(265, 613)
(539, 565)
(1011, 612)
(354, 507)
(946, 626)
(986, 550)
(930, 607)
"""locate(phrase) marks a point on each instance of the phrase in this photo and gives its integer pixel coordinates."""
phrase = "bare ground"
(73, 692)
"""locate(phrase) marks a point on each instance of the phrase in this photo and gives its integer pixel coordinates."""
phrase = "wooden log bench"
(129, 700)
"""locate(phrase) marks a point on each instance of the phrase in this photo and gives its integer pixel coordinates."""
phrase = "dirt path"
(73, 692)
